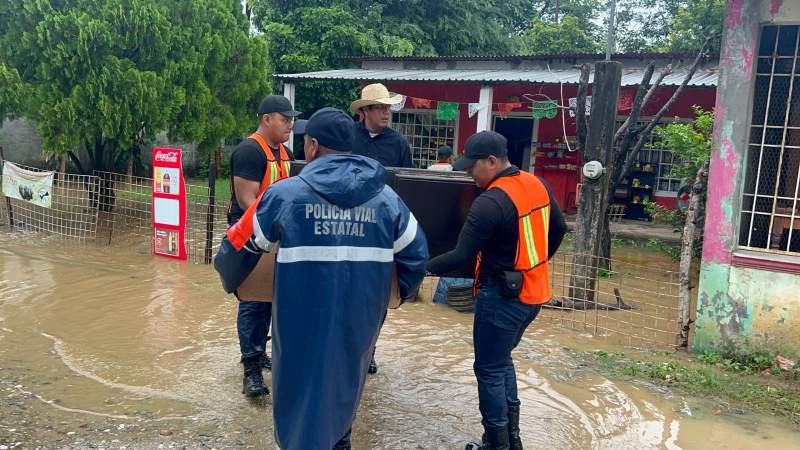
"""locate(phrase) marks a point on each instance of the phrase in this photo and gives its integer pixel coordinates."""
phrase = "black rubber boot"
(373, 366)
(253, 382)
(493, 439)
(515, 443)
(344, 443)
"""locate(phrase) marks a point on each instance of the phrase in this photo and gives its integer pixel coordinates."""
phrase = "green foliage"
(747, 389)
(11, 92)
(670, 250)
(316, 35)
(565, 36)
(742, 361)
(660, 214)
(107, 75)
(690, 142)
(668, 25)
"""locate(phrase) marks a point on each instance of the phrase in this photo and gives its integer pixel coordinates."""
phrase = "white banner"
(28, 185)
(473, 108)
(399, 106)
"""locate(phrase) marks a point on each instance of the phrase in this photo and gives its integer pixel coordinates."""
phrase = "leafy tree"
(690, 142)
(668, 25)
(107, 75)
(565, 36)
(11, 94)
(317, 34)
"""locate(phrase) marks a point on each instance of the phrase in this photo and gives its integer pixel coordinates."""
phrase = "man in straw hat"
(373, 138)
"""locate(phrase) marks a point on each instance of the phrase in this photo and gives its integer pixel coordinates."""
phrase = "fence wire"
(629, 303)
(632, 302)
(71, 215)
(127, 217)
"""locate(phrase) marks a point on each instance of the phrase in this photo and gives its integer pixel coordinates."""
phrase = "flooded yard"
(109, 347)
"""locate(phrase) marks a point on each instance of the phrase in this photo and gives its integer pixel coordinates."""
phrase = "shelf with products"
(640, 188)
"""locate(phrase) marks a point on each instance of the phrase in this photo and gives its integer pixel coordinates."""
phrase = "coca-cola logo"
(170, 157)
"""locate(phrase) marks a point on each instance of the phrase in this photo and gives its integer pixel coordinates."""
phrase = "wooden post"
(212, 184)
(687, 247)
(8, 200)
(595, 193)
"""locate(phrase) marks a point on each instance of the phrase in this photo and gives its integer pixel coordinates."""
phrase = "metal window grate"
(425, 134)
(770, 218)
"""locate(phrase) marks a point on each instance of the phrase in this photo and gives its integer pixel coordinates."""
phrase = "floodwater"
(105, 347)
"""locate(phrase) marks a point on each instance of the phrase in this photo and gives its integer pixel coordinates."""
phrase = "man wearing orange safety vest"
(256, 163)
(513, 228)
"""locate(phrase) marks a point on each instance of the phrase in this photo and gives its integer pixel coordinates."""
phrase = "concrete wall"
(744, 298)
(22, 144)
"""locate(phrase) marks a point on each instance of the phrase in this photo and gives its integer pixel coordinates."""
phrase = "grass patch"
(733, 380)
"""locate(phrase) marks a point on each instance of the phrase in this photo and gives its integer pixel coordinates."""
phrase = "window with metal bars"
(659, 159)
(425, 133)
(770, 218)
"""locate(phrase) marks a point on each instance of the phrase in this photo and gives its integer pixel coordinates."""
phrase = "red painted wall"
(549, 130)
(451, 92)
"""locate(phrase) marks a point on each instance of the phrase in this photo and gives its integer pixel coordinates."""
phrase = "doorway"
(520, 133)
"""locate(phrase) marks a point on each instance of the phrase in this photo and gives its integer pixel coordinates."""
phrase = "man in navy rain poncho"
(340, 232)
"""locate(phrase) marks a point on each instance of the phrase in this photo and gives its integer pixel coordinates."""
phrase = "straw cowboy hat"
(375, 94)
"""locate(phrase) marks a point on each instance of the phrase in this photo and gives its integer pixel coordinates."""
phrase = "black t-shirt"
(248, 161)
(388, 147)
(492, 227)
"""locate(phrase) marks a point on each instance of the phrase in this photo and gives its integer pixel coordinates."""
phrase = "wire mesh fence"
(72, 213)
(631, 302)
(627, 303)
(126, 217)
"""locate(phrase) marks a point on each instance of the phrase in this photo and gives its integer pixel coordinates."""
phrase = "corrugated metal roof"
(630, 77)
(543, 56)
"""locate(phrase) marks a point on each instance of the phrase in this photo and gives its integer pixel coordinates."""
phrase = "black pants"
(253, 323)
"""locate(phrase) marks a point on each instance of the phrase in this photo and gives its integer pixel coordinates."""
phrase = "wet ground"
(110, 348)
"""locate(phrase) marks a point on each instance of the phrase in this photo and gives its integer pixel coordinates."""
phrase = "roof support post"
(485, 111)
(288, 92)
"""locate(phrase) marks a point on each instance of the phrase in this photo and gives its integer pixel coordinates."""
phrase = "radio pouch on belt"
(512, 284)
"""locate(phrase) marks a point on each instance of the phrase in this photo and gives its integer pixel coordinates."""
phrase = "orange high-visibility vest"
(240, 232)
(532, 202)
(275, 170)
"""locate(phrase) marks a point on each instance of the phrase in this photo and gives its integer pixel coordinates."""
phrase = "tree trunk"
(62, 163)
(594, 200)
(130, 167)
(687, 253)
(218, 161)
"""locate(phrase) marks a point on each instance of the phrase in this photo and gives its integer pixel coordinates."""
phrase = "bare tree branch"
(580, 108)
(638, 102)
(643, 134)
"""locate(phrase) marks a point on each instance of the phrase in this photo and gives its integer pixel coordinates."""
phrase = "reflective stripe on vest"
(275, 170)
(532, 202)
(240, 232)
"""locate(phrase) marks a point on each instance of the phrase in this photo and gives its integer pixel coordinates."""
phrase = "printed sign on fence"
(28, 185)
(169, 204)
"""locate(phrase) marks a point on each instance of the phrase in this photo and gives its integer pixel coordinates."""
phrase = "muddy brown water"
(104, 347)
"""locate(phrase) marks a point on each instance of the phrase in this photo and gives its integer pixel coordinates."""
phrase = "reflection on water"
(99, 345)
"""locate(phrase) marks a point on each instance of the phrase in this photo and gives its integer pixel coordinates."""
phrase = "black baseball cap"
(444, 151)
(481, 146)
(277, 104)
(300, 126)
(332, 128)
